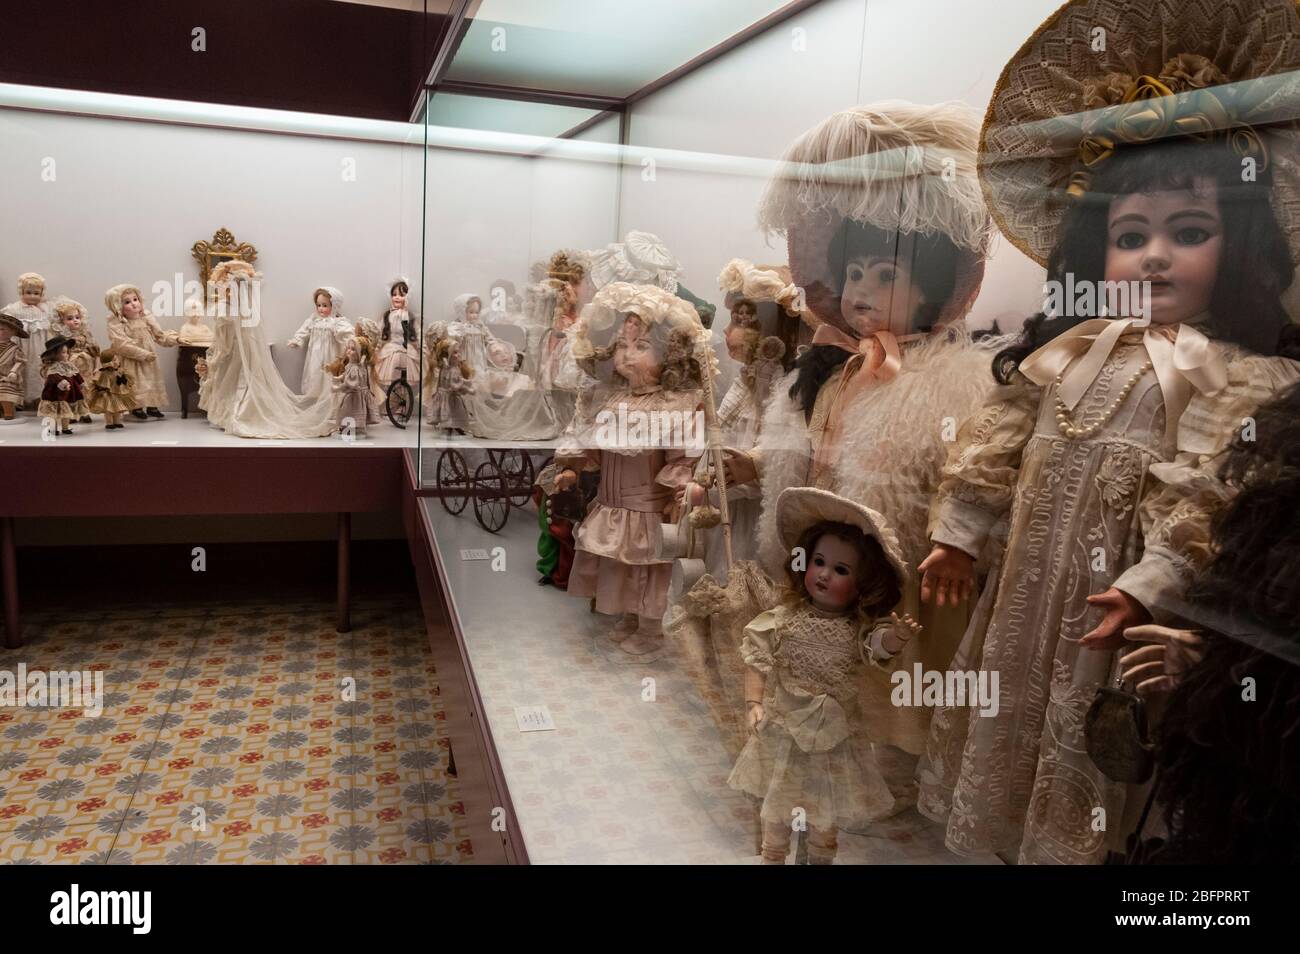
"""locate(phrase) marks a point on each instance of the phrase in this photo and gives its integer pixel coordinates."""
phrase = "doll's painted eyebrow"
(1180, 214)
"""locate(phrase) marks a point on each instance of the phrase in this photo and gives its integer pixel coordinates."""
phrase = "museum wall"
(756, 99)
(93, 202)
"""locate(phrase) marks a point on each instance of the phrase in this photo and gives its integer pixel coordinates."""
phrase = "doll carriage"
(501, 481)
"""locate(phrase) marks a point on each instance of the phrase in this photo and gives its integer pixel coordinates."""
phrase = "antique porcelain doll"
(111, 390)
(325, 332)
(13, 365)
(475, 339)
(1099, 444)
(642, 435)
(809, 755)
(35, 313)
(889, 264)
(398, 338)
(133, 332)
(194, 333)
(62, 399)
(350, 375)
(447, 407)
(71, 322)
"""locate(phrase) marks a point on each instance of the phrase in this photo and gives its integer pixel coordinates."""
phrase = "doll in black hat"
(13, 365)
(61, 399)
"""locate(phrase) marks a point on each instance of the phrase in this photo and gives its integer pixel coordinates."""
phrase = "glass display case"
(754, 513)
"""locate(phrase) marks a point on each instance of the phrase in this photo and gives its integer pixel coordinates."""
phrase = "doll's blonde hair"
(674, 347)
(31, 280)
(442, 353)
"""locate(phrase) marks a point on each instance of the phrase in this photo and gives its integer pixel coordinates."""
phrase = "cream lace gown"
(36, 321)
(1081, 512)
(134, 340)
(324, 340)
(810, 751)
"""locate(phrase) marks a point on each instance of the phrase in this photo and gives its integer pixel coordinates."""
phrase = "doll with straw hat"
(1164, 157)
(887, 236)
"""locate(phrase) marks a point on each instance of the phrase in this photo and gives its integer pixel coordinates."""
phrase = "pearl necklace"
(1066, 425)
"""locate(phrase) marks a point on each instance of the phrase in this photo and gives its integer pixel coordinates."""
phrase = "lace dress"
(810, 751)
(1125, 507)
(36, 321)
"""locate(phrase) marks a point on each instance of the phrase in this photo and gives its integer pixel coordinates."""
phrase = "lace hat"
(798, 508)
(641, 257)
(1102, 75)
(652, 305)
(898, 166)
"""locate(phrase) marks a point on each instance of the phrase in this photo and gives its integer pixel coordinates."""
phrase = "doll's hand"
(947, 575)
(64, 385)
(695, 495)
(292, 344)
(754, 716)
(1121, 612)
(1157, 666)
(738, 467)
(566, 479)
(901, 633)
(151, 356)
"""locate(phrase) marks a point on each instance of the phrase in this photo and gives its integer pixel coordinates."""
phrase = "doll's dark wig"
(1229, 768)
(1256, 268)
(933, 262)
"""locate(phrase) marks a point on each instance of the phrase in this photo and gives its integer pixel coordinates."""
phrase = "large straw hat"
(898, 166)
(798, 508)
(1102, 75)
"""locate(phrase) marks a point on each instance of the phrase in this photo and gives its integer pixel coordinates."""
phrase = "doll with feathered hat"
(13, 365)
(642, 430)
(887, 235)
(62, 398)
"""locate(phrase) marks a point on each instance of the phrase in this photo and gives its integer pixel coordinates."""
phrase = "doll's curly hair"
(878, 589)
(442, 354)
(364, 352)
(1229, 770)
(673, 346)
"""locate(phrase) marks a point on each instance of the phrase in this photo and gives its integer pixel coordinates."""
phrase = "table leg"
(9, 571)
(344, 622)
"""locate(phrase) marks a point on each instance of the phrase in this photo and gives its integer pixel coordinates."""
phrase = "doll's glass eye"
(842, 570)
(818, 561)
(854, 273)
(1130, 240)
(1192, 235)
(887, 275)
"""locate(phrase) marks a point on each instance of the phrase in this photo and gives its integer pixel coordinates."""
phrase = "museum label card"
(533, 718)
(474, 555)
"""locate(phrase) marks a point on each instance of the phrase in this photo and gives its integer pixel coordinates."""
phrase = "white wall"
(128, 199)
(754, 100)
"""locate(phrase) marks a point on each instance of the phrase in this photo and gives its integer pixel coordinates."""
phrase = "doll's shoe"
(154, 412)
(84, 419)
(139, 415)
(546, 581)
(638, 644)
(66, 430)
(624, 628)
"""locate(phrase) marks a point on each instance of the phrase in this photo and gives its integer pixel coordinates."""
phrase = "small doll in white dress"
(447, 409)
(71, 321)
(324, 333)
(36, 314)
(809, 758)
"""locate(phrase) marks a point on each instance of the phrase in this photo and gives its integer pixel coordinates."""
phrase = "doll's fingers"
(927, 589)
(1143, 653)
(1157, 686)
(1151, 633)
(1148, 670)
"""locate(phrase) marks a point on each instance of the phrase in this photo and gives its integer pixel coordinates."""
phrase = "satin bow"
(1182, 364)
(860, 371)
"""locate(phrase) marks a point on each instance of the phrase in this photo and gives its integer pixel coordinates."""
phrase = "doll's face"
(1174, 240)
(832, 575)
(879, 295)
(472, 309)
(397, 299)
(72, 321)
(132, 307)
(61, 354)
(32, 294)
(6, 334)
(635, 358)
(352, 352)
(324, 306)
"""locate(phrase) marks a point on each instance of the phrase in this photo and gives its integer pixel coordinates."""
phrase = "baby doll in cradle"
(809, 757)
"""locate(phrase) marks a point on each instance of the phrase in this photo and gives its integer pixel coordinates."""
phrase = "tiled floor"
(628, 775)
(226, 738)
